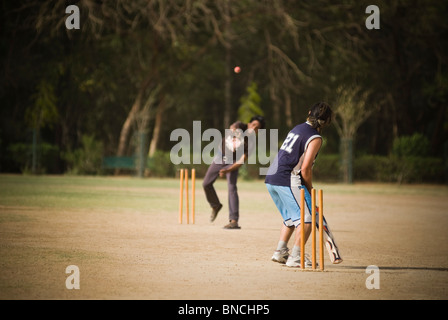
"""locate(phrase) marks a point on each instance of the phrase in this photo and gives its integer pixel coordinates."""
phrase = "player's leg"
(294, 258)
(232, 178)
(286, 233)
(210, 193)
(282, 252)
(296, 251)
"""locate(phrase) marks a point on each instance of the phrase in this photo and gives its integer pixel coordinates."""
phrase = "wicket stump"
(313, 229)
(184, 179)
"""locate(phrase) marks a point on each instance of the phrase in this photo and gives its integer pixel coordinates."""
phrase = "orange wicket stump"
(313, 229)
(183, 174)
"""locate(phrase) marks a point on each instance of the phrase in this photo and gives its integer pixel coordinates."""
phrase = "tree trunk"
(272, 86)
(130, 119)
(228, 72)
(288, 110)
(275, 105)
(142, 153)
(347, 160)
(157, 126)
(127, 126)
(34, 149)
(228, 91)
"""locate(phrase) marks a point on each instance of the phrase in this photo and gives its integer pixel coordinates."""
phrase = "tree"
(42, 113)
(250, 104)
(148, 67)
(351, 110)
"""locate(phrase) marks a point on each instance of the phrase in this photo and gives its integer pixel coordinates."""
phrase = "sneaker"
(232, 225)
(294, 262)
(215, 213)
(280, 256)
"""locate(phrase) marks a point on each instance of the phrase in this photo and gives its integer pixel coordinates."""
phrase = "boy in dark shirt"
(235, 150)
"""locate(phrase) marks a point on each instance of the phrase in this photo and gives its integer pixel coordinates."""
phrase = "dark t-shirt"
(237, 142)
(290, 154)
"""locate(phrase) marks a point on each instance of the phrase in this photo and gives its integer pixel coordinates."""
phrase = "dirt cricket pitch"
(123, 235)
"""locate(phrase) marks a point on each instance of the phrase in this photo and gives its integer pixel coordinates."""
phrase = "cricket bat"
(330, 244)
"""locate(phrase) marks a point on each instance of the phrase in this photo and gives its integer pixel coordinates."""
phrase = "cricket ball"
(237, 69)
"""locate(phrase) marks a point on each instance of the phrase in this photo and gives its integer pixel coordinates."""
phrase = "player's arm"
(234, 166)
(307, 165)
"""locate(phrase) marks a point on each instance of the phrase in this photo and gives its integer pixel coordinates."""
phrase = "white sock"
(282, 245)
(295, 251)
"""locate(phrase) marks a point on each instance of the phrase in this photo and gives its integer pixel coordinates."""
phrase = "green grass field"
(128, 192)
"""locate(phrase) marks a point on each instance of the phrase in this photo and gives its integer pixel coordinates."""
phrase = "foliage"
(351, 110)
(416, 145)
(44, 110)
(87, 159)
(327, 167)
(21, 155)
(159, 165)
(154, 66)
(250, 104)
(413, 169)
(375, 168)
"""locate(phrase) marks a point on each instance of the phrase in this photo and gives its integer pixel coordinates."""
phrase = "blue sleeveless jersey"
(290, 153)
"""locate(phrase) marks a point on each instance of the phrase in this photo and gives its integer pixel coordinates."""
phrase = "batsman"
(290, 172)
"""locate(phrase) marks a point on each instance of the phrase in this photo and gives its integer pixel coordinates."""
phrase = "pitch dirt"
(138, 250)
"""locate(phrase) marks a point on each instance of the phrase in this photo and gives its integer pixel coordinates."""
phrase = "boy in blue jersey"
(291, 171)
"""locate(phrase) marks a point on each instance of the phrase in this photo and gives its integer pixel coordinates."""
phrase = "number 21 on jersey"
(289, 142)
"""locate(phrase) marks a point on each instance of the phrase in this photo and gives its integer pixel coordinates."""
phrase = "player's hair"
(259, 119)
(320, 115)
